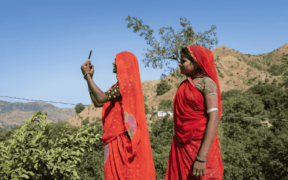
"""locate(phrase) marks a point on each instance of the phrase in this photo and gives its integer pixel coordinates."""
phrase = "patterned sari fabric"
(190, 120)
(125, 159)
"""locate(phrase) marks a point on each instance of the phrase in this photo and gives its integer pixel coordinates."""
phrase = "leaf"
(24, 176)
(59, 159)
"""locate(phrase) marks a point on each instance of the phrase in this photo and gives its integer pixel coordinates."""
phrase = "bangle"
(86, 74)
(201, 160)
(212, 109)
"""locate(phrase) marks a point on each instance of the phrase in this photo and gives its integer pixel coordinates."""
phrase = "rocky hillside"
(13, 114)
(235, 71)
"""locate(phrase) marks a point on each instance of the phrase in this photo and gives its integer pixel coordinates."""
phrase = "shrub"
(165, 105)
(145, 98)
(32, 154)
(276, 70)
(162, 87)
(79, 108)
(85, 121)
(146, 109)
(251, 80)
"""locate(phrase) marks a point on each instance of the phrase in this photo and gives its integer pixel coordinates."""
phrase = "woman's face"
(186, 66)
(114, 66)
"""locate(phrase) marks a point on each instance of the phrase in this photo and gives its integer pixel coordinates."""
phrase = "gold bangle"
(201, 160)
(86, 74)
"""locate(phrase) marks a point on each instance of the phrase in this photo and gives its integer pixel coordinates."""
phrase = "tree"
(161, 135)
(165, 105)
(168, 49)
(244, 105)
(34, 155)
(162, 88)
(85, 121)
(266, 80)
(79, 108)
(146, 109)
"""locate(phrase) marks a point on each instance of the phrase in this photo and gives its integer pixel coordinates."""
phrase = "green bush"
(161, 136)
(162, 87)
(31, 153)
(145, 98)
(276, 70)
(146, 109)
(79, 108)
(85, 121)
(251, 80)
(165, 105)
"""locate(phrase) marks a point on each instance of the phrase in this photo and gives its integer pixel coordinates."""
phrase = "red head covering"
(205, 59)
(133, 111)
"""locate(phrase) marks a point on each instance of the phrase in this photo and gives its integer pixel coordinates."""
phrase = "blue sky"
(44, 43)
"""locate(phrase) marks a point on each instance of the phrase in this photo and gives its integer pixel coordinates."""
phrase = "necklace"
(200, 75)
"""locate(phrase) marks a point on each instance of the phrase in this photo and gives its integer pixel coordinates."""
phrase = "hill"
(13, 114)
(235, 71)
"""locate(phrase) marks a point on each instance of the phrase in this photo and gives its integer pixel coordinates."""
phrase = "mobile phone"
(90, 56)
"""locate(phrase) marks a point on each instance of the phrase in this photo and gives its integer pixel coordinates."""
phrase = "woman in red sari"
(197, 110)
(125, 134)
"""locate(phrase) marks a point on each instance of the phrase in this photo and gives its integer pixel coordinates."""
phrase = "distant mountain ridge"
(13, 114)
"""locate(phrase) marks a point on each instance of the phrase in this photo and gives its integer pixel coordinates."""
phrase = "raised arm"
(97, 96)
(96, 92)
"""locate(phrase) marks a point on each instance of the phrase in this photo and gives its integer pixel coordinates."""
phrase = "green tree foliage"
(85, 121)
(165, 105)
(161, 136)
(284, 59)
(79, 108)
(251, 150)
(276, 70)
(168, 49)
(146, 108)
(162, 88)
(243, 105)
(242, 148)
(274, 99)
(31, 153)
(145, 98)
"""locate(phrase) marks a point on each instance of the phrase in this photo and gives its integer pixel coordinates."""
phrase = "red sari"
(190, 120)
(125, 159)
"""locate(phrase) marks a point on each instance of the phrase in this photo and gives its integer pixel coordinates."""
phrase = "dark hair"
(185, 51)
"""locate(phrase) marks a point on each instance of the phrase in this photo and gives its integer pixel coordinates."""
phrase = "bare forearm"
(96, 92)
(96, 104)
(209, 135)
